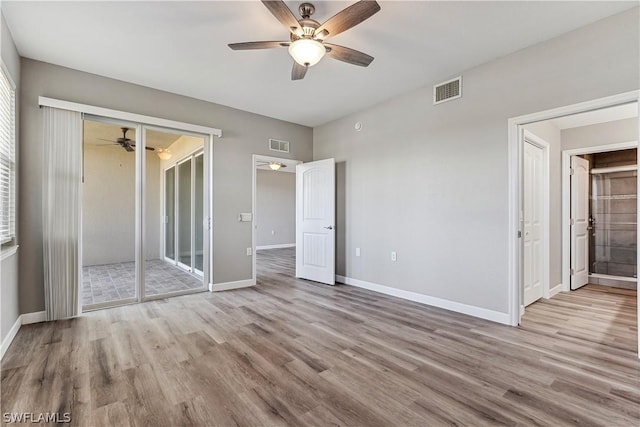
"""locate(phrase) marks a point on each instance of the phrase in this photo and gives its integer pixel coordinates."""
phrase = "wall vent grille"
(279, 146)
(447, 91)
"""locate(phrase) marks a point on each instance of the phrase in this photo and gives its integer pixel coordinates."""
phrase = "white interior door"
(533, 215)
(579, 222)
(315, 221)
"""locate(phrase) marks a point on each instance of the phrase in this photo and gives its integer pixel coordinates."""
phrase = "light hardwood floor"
(291, 352)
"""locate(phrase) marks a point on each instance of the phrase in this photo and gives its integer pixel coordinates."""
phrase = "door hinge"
(572, 272)
(571, 171)
(572, 221)
(209, 223)
(519, 234)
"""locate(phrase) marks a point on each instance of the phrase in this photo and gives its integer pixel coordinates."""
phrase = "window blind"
(7, 160)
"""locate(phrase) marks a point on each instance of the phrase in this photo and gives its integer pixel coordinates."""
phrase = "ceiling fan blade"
(283, 14)
(347, 18)
(146, 148)
(298, 71)
(348, 55)
(257, 45)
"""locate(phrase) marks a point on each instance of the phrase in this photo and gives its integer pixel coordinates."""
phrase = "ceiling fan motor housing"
(306, 10)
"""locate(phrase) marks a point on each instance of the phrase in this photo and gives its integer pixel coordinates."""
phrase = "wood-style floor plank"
(293, 352)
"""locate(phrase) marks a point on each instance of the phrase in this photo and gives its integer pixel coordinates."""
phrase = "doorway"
(274, 215)
(593, 123)
(125, 257)
(603, 216)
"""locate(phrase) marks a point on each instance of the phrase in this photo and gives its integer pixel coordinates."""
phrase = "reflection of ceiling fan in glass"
(128, 145)
(307, 36)
(125, 142)
(273, 165)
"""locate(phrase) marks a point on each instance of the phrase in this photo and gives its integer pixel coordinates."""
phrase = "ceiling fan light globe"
(274, 166)
(307, 52)
(164, 155)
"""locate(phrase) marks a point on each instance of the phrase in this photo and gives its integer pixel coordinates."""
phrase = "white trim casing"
(8, 252)
(23, 319)
(280, 246)
(226, 286)
(513, 241)
(483, 313)
(123, 115)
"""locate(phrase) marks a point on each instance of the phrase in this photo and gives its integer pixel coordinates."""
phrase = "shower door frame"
(566, 200)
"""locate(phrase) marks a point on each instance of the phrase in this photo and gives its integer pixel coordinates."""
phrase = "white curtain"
(62, 174)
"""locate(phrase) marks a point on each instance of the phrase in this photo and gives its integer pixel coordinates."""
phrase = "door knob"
(329, 227)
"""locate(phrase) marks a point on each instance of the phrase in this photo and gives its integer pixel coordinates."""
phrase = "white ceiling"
(181, 47)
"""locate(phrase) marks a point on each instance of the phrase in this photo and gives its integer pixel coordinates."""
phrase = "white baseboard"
(280, 246)
(555, 290)
(215, 287)
(6, 342)
(483, 313)
(35, 317)
(23, 319)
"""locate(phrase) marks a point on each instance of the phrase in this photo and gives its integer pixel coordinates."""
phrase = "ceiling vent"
(446, 91)
(279, 146)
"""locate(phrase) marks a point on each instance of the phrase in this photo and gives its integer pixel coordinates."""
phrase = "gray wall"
(275, 207)
(9, 307)
(108, 206)
(431, 182)
(244, 134)
(601, 134)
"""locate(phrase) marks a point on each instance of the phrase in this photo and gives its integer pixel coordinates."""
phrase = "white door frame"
(566, 200)
(514, 269)
(531, 138)
(254, 187)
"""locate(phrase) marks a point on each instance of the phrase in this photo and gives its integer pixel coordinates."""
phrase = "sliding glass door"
(184, 204)
(170, 217)
(185, 219)
(198, 214)
(109, 209)
(174, 270)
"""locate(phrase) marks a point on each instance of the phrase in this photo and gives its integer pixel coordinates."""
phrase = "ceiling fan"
(272, 165)
(125, 142)
(307, 36)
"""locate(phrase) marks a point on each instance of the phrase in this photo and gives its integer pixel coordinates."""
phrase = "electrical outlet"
(394, 256)
(249, 251)
(357, 251)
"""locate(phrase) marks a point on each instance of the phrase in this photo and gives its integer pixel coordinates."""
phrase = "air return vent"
(277, 145)
(447, 91)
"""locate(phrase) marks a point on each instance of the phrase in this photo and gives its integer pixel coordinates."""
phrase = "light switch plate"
(245, 217)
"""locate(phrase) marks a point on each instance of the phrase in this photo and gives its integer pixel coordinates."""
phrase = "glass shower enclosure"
(614, 222)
